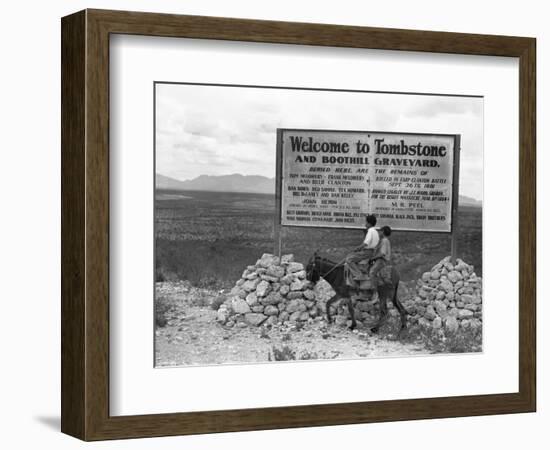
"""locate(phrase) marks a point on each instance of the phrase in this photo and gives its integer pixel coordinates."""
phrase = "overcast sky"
(220, 130)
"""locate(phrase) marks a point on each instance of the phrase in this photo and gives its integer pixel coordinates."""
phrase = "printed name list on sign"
(333, 178)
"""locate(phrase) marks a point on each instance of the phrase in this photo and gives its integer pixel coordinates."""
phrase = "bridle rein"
(326, 260)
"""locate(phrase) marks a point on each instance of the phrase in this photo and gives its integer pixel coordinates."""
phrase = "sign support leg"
(277, 239)
(454, 246)
(277, 227)
(455, 200)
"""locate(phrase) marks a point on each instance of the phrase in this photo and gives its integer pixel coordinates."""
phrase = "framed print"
(273, 225)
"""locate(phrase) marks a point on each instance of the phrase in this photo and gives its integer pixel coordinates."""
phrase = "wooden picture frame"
(85, 224)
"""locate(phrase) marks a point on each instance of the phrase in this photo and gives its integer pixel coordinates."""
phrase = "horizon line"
(250, 192)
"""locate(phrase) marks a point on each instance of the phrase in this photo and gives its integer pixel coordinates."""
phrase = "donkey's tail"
(395, 291)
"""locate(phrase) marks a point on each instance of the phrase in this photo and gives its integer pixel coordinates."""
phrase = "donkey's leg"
(383, 306)
(353, 325)
(402, 311)
(330, 301)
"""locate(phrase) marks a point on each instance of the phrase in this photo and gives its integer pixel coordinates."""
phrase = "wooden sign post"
(277, 238)
(456, 183)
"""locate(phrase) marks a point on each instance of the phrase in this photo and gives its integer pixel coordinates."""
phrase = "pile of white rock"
(273, 291)
(448, 297)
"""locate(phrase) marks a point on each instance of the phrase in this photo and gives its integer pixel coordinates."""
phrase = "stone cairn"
(448, 298)
(273, 291)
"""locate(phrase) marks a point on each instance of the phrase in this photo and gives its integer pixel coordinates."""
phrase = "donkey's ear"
(316, 253)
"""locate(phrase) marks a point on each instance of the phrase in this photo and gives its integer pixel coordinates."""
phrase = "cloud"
(217, 130)
(434, 107)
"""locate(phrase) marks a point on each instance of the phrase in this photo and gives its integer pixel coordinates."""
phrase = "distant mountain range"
(242, 183)
(222, 183)
(468, 201)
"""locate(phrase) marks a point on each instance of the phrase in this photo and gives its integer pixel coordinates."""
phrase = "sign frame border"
(278, 223)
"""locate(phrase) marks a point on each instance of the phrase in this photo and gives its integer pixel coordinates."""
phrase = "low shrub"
(162, 307)
(217, 302)
(284, 353)
(464, 340)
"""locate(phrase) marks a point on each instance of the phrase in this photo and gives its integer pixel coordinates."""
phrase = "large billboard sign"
(332, 178)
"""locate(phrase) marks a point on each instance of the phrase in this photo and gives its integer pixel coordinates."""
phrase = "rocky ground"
(187, 333)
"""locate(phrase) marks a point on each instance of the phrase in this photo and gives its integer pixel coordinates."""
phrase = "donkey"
(333, 273)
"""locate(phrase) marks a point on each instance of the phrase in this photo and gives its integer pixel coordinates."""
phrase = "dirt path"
(191, 336)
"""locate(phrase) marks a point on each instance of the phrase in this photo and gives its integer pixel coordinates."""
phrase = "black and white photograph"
(306, 224)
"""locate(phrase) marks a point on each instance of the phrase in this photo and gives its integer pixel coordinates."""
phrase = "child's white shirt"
(372, 238)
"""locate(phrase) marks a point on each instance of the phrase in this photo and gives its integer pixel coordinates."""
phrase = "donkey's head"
(313, 268)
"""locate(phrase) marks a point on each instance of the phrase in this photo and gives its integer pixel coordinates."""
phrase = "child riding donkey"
(366, 268)
(381, 258)
(365, 262)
